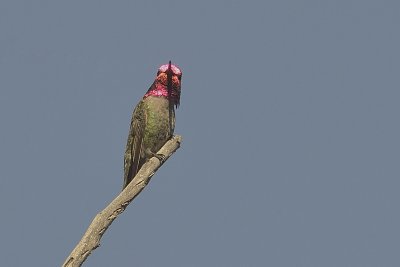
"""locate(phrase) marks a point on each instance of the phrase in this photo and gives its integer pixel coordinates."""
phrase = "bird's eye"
(158, 73)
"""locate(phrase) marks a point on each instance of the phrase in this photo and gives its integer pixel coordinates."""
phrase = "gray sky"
(289, 114)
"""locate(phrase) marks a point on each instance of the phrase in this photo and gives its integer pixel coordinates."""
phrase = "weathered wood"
(91, 239)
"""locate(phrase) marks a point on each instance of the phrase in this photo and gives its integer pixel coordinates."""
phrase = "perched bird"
(153, 120)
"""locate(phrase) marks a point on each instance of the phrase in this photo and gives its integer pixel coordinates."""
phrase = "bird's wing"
(134, 152)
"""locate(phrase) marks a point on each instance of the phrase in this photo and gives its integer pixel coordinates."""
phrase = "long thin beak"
(169, 77)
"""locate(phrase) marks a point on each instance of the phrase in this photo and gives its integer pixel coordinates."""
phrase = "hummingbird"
(153, 120)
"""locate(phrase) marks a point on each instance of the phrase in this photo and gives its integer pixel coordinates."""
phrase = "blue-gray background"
(289, 113)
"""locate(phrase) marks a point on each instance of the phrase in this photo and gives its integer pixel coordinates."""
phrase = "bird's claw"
(160, 157)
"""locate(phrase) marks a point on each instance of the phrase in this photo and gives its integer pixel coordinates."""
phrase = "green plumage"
(152, 125)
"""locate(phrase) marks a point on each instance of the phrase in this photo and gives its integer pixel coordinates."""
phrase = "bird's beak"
(169, 77)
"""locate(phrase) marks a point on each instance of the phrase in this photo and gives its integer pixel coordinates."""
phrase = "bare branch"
(91, 239)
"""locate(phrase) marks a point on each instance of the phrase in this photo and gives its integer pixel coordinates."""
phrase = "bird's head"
(170, 76)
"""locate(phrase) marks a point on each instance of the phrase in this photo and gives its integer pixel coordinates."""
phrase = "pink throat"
(159, 90)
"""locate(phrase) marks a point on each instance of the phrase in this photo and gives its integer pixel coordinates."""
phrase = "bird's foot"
(160, 157)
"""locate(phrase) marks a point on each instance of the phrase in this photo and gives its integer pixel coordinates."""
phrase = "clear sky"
(289, 116)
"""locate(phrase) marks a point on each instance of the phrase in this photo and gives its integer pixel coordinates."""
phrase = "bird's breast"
(160, 122)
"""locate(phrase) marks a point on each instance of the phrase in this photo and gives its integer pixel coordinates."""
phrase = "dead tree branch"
(91, 239)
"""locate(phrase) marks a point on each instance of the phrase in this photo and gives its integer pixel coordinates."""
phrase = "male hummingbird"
(153, 120)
